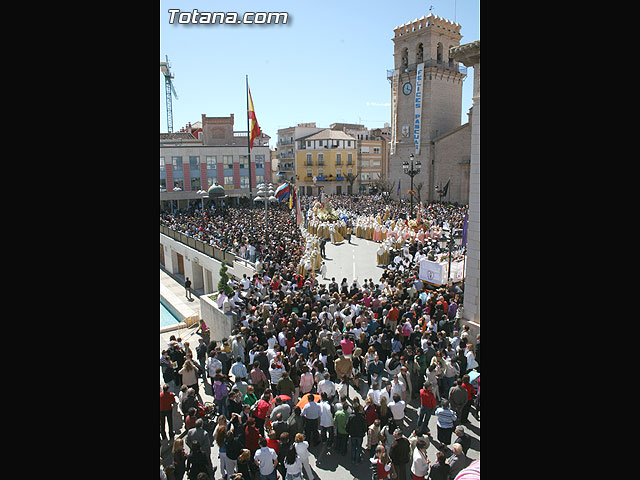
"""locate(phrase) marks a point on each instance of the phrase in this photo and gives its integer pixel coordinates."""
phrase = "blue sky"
(328, 64)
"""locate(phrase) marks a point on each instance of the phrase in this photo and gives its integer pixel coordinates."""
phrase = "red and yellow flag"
(254, 128)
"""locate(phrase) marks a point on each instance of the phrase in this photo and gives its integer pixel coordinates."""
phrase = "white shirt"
(302, 449)
(375, 396)
(397, 410)
(326, 417)
(385, 393)
(327, 386)
(295, 468)
(276, 374)
(419, 467)
(265, 458)
(398, 388)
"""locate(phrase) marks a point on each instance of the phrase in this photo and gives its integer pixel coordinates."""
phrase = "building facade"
(426, 103)
(206, 153)
(469, 54)
(287, 148)
(372, 157)
(326, 160)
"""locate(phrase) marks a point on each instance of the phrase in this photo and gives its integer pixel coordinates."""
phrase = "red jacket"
(166, 401)
(273, 443)
(251, 438)
(427, 398)
(470, 391)
(261, 409)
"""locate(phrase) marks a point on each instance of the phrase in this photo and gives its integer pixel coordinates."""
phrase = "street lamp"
(412, 172)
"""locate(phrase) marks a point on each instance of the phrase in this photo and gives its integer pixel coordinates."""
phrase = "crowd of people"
(241, 231)
(285, 380)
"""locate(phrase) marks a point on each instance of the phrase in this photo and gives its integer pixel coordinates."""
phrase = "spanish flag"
(254, 128)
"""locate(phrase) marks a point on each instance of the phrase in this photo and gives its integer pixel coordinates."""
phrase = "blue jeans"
(356, 449)
(221, 405)
(272, 476)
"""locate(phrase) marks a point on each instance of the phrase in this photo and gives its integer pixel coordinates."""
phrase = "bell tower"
(426, 95)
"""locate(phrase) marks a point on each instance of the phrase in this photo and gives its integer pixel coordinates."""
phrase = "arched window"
(419, 54)
(439, 55)
(405, 59)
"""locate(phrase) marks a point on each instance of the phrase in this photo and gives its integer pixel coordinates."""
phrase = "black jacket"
(356, 425)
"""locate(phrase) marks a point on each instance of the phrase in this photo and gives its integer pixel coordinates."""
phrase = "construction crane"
(165, 68)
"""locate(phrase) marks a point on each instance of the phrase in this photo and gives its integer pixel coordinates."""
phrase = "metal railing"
(210, 250)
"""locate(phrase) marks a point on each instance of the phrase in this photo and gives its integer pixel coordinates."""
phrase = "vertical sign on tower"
(394, 110)
(417, 120)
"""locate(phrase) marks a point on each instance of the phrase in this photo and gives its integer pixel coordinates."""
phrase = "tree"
(223, 284)
(350, 178)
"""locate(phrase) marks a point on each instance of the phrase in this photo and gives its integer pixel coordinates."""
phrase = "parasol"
(284, 398)
(304, 400)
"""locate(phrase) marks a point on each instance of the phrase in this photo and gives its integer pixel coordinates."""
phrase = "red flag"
(254, 128)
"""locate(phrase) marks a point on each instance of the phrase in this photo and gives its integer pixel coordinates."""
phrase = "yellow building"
(326, 160)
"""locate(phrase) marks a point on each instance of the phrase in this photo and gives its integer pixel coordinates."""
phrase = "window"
(179, 183)
(309, 172)
(349, 158)
(309, 159)
(227, 160)
(321, 172)
(439, 57)
(163, 183)
(244, 161)
(338, 172)
(376, 149)
(228, 181)
(177, 164)
(259, 161)
(259, 179)
(194, 163)
(244, 182)
(338, 159)
(321, 159)
(211, 162)
(195, 184)
(162, 164)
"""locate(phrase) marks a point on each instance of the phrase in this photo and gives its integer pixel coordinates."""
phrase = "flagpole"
(248, 137)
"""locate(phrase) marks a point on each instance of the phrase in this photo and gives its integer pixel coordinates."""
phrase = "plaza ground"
(343, 261)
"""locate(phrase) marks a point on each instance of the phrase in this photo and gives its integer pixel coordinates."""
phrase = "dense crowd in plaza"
(283, 383)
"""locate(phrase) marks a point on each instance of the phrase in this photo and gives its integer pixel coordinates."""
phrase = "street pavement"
(343, 261)
(351, 261)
